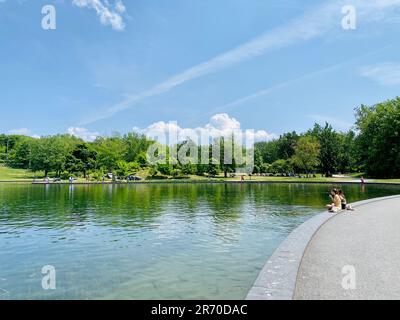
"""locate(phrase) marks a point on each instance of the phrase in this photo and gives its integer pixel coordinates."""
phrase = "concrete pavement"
(354, 255)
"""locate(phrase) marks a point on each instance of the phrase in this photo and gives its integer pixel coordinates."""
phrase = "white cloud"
(220, 125)
(109, 14)
(387, 74)
(83, 133)
(313, 24)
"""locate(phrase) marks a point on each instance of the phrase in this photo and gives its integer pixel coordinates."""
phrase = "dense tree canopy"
(379, 138)
(329, 142)
(307, 154)
(373, 148)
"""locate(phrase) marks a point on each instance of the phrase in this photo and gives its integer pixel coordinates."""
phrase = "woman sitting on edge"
(336, 206)
(343, 200)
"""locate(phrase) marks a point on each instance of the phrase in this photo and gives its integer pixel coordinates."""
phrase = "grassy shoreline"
(212, 181)
(10, 175)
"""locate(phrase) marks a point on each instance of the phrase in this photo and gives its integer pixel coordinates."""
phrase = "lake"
(150, 241)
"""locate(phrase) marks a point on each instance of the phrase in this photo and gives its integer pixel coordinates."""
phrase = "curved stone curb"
(277, 279)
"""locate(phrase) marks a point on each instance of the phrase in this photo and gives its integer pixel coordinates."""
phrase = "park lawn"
(294, 179)
(10, 174)
(319, 178)
(221, 178)
(384, 180)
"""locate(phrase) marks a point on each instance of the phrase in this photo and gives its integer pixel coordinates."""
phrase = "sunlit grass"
(15, 174)
(11, 174)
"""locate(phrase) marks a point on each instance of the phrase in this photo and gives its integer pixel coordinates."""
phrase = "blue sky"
(115, 65)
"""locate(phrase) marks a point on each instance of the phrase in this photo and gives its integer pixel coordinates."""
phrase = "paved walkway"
(366, 241)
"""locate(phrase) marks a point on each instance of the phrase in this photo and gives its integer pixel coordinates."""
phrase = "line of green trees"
(65, 156)
(372, 147)
(321, 149)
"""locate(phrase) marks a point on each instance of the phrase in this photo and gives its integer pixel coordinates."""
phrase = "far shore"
(253, 180)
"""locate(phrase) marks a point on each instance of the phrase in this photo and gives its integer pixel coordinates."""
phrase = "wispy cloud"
(386, 74)
(20, 131)
(303, 28)
(337, 123)
(81, 133)
(285, 84)
(313, 24)
(23, 132)
(270, 90)
(18, 1)
(110, 14)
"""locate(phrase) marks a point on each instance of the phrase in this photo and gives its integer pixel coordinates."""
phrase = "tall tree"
(306, 155)
(109, 152)
(134, 145)
(50, 153)
(19, 156)
(81, 159)
(228, 150)
(330, 147)
(286, 145)
(379, 138)
(349, 160)
(265, 152)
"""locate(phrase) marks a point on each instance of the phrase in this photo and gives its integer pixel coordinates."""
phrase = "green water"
(161, 241)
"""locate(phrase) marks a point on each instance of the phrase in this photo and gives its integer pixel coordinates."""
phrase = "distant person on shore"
(71, 180)
(362, 180)
(343, 200)
(336, 205)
